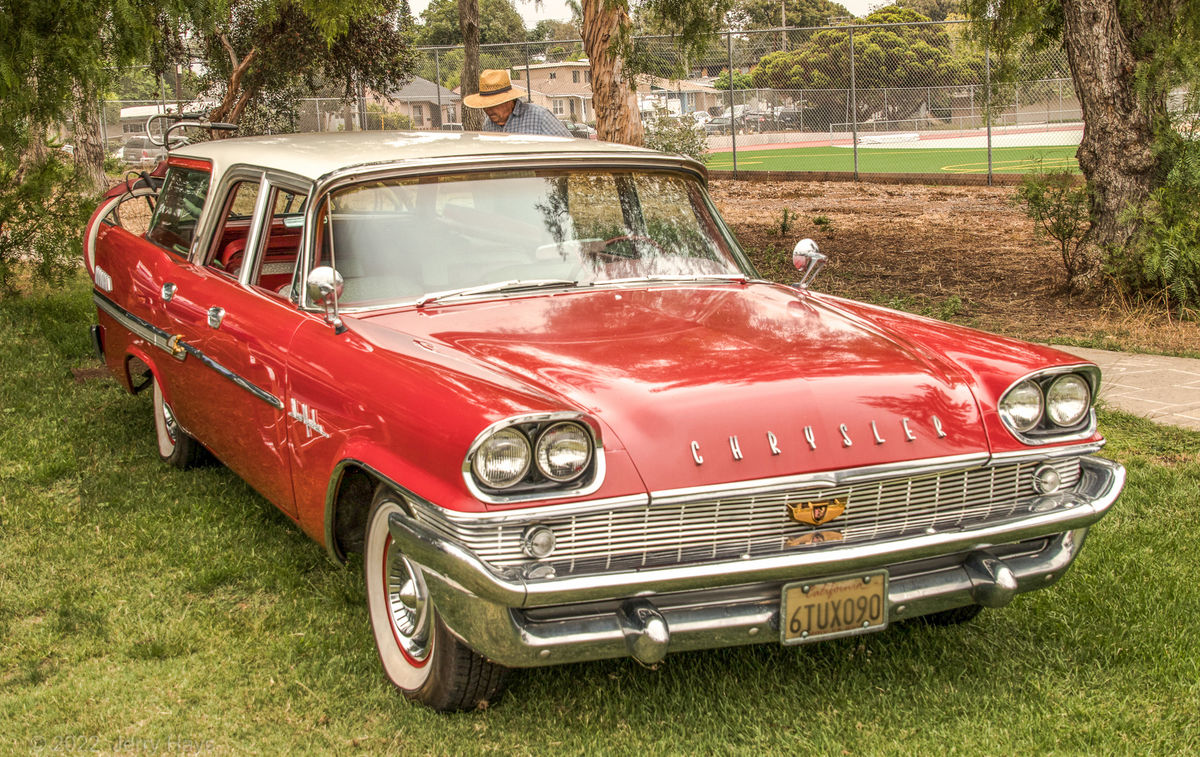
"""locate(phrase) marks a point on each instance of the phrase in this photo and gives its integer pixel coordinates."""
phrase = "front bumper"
(524, 622)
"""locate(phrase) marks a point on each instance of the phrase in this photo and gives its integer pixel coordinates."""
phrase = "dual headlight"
(533, 456)
(1041, 408)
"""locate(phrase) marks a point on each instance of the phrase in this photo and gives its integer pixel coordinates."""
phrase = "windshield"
(407, 239)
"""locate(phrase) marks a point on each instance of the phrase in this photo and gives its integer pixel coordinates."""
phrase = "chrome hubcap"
(408, 604)
(169, 422)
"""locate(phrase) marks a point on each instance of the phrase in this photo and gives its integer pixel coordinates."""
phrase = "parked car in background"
(580, 130)
(718, 125)
(537, 384)
(789, 118)
(758, 121)
(140, 151)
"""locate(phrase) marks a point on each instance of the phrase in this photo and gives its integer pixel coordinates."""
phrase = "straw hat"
(494, 88)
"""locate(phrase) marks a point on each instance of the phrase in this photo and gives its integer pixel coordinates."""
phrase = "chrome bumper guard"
(490, 611)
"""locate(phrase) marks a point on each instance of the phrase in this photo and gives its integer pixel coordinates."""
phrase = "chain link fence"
(839, 100)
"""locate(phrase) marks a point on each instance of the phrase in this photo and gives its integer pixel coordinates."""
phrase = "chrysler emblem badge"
(818, 512)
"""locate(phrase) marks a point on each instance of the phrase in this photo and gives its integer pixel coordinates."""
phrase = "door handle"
(215, 316)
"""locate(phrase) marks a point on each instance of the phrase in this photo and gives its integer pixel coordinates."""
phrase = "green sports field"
(957, 160)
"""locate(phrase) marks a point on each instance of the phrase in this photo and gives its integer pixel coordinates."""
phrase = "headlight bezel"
(1046, 431)
(534, 484)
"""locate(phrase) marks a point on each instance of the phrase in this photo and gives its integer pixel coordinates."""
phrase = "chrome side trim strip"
(177, 348)
(244, 383)
(137, 326)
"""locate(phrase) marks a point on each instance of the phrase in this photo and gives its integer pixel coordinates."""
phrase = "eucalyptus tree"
(499, 22)
(615, 60)
(1126, 58)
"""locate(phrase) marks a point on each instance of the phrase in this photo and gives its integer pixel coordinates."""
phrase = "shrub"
(679, 136)
(1060, 209)
(1164, 259)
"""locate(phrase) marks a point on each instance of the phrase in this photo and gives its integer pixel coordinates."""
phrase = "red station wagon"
(538, 385)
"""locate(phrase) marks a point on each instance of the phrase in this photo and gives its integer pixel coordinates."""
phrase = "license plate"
(833, 607)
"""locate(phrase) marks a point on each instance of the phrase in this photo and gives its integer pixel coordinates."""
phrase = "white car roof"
(315, 155)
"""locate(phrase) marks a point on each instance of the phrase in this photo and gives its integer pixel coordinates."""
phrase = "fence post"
(104, 125)
(853, 106)
(732, 112)
(437, 85)
(528, 83)
(362, 108)
(987, 105)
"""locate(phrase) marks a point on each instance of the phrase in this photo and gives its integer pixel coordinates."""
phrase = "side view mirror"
(809, 260)
(325, 287)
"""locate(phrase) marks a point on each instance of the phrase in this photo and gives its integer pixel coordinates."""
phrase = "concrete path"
(1163, 389)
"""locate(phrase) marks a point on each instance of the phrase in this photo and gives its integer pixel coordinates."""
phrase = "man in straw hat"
(507, 112)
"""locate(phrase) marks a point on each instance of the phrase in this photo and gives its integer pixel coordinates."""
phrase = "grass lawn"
(145, 609)
(899, 160)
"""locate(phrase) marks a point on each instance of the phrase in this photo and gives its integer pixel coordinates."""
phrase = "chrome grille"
(736, 525)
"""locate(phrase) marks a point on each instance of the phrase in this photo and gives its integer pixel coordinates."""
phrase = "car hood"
(714, 384)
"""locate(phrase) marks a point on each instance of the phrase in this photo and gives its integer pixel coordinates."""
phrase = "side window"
(276, 266)
(231, 239)
(173, 225)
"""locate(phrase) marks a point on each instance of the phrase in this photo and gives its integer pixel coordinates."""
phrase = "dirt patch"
(965, 254)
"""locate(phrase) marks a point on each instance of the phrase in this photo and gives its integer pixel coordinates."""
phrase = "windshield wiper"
(499, 286)
(734, 277)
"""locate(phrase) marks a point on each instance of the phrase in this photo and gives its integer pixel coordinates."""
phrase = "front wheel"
(419, 654)
(175, 446)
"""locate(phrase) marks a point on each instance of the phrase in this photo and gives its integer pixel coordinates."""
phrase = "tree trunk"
(89, 143)
(468, 24)
(1115, 154)
(615, 105)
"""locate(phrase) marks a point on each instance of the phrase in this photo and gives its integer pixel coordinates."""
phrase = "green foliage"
(936, 10)
(1165, 257)
(678, 136)
(450, 63)
(786, 220)
(550, 29)
(259, 52)
(822, 222)
(1059, 206)
(692, 24)
(499, 22)
(378, 118)
(764, 14)
(740, 80)
(905, 57)
(54, 59)
(42, 215)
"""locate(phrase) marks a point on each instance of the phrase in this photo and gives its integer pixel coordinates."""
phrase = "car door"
(236, 332)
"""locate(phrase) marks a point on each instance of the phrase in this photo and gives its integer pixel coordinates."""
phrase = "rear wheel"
(175, 446)
(419, 654)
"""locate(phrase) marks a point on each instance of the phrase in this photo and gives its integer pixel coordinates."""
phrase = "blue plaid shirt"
(528, 118)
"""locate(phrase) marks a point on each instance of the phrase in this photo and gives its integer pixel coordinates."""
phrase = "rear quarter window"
(173, 225)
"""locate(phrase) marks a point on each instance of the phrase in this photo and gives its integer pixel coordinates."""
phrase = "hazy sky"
(557, 9)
